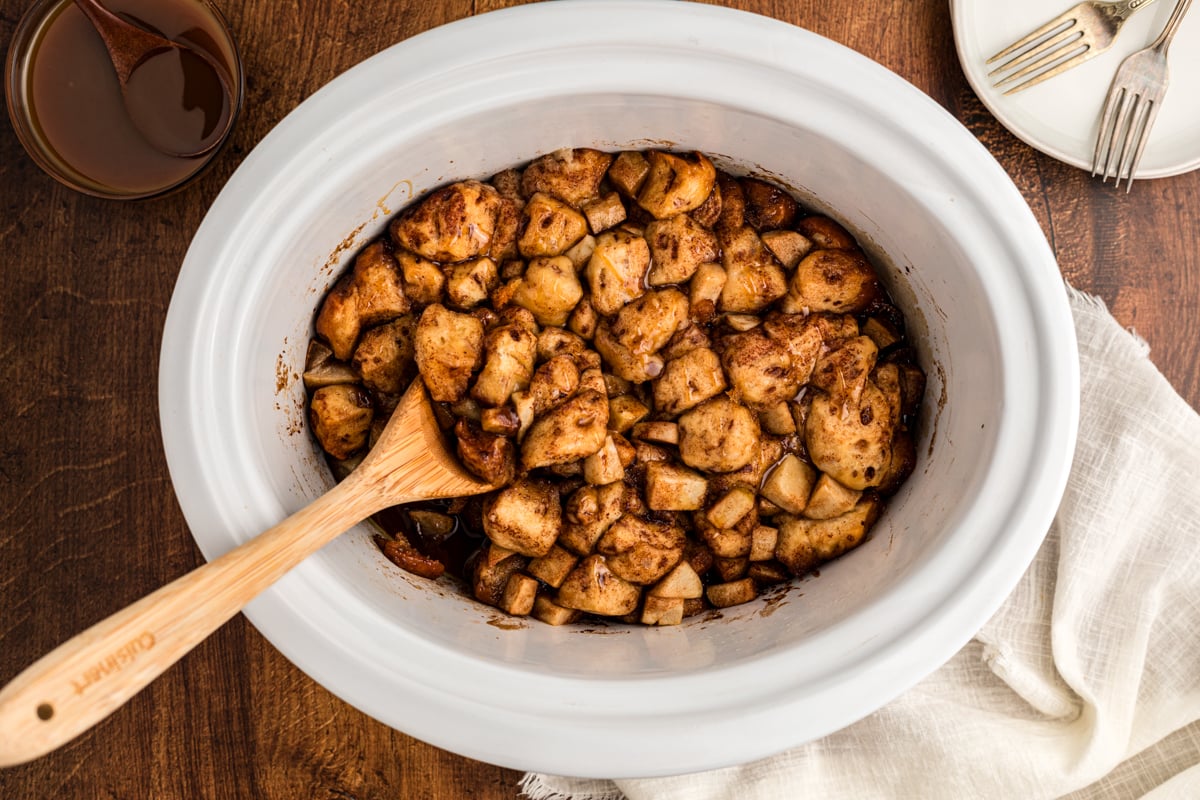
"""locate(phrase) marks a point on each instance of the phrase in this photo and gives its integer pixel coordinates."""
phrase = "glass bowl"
(65, 103)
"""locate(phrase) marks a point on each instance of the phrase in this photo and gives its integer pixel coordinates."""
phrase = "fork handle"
(1126, 9)
(1168, 33)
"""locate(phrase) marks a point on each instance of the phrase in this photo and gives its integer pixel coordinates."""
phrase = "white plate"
(1059, 116)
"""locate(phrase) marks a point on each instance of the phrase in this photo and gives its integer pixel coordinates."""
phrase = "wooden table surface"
(88, 519)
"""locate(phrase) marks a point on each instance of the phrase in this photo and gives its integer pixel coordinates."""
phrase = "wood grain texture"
(88, 520)
(93, 673)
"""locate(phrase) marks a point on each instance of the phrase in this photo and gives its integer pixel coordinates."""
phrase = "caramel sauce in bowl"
(65, 102)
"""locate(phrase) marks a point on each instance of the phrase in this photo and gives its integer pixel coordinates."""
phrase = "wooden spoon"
(177, 96)
(88, 677)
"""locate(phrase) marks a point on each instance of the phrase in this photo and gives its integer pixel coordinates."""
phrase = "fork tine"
(1142, 124)
(1118, 125)
(1035, 35)
(1072, 59)
(1151, 112)
(1054, 43)
(1134, 113)
(1104, 136)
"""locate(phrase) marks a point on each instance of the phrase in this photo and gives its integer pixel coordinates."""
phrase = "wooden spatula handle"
(91, 675)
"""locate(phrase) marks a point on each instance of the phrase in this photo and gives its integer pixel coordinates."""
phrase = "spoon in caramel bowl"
(177, 96)
(41, 708)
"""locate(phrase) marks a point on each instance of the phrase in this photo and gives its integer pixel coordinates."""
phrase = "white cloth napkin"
(1086, 683)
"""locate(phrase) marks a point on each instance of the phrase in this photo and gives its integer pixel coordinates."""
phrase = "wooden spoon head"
(410, 460)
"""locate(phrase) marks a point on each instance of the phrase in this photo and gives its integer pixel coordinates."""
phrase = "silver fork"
(1132, 104)
(1068, 40)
